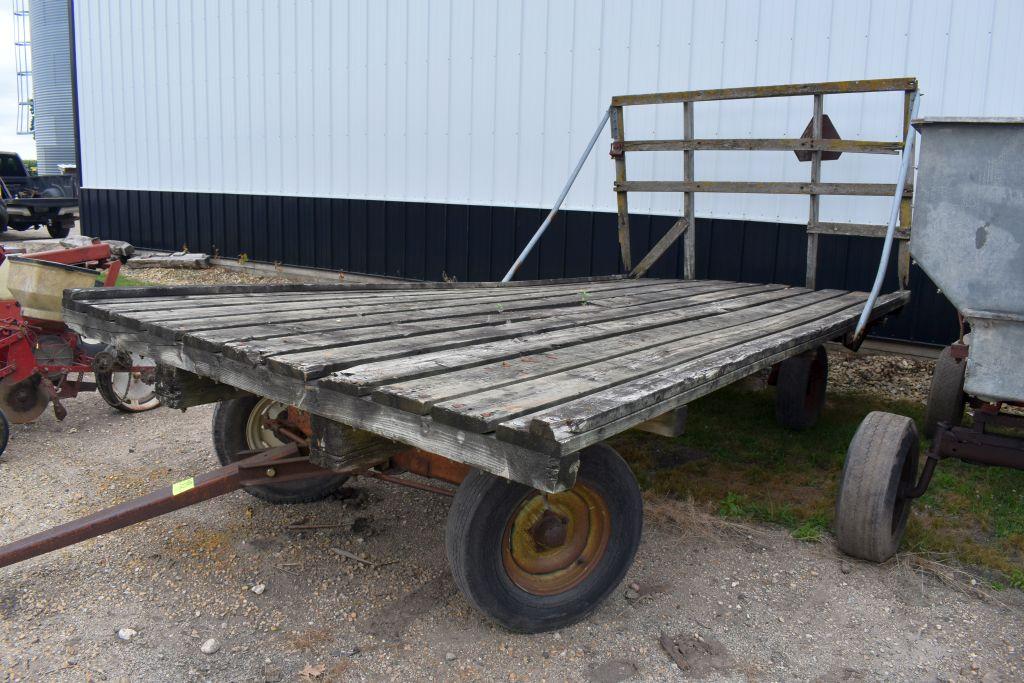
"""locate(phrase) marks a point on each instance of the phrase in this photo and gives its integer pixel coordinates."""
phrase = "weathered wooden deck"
(511, 378)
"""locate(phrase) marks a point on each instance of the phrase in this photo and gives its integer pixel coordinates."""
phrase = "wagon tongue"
(282, 464)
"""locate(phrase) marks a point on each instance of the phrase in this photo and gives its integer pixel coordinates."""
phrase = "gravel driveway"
(733, 602)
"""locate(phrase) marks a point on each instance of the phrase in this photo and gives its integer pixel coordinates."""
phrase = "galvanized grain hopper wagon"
(969, 237)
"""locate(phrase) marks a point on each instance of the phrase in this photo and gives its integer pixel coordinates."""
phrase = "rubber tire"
(800, 389)
(58, 229)
(946, 398)
(229, 420)
(882, 457)
(5, 432)
(105, 388)
(476, 522)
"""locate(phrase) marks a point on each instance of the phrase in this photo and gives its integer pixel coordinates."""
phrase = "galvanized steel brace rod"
(894, 214)
(561, 198)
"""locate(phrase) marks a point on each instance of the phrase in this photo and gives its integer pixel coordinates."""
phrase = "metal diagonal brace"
(558, 203)
(905, 161)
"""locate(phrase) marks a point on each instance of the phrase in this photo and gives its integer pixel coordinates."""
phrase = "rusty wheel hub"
(272, 424)
(552, 542)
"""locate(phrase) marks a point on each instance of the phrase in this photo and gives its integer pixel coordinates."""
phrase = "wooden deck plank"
(175, 326)
(362, 378)
(248, 326)
(212, 331)
(257, 350)
(310, 365)
(183, 304)
(420, 396)
(575, 424)
(345, 330)
(481, 412)
(212, 309)
(97, 295)
(145, 305)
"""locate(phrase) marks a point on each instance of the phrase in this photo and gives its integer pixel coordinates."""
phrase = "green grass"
(755, 470)
(124, 281)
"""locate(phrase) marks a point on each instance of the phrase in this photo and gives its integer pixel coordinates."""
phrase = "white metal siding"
(490, 102)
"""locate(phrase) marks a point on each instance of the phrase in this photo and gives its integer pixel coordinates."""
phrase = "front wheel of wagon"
(132, 391)
(536, 562)
(800, 389)
(881, 466)
(252, 423)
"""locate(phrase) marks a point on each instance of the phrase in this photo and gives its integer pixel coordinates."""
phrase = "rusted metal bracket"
(974, 444)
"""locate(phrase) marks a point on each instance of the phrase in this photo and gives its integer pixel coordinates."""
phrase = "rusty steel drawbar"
(280, 464)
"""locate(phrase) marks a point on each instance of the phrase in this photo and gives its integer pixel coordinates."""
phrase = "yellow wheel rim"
(554, 541)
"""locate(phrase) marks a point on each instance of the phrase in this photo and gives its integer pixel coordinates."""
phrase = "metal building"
(52, 101)
(425, 139)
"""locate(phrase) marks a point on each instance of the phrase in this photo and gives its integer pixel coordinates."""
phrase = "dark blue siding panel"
(437, 241)
(434, 249)
(394, 238)
(579, 234)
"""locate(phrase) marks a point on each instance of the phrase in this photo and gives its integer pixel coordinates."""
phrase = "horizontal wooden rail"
(794, 90)
(857, 189)
(857, 229)
(764, 144)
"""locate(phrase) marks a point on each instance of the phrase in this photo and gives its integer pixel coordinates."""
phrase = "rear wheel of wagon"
(800, 389)
(881, 465)
(946, 398)
(536, 562)
(252, 423)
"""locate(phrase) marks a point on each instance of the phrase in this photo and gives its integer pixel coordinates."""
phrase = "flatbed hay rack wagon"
(506, 389)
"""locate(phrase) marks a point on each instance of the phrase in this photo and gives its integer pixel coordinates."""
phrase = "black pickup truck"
(30, 201)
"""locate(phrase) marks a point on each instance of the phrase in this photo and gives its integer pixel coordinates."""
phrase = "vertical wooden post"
(812, 219)
(619, 135)
(903, 248)
(690, 235)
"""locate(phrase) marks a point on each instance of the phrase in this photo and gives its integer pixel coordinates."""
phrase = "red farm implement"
(43, 362)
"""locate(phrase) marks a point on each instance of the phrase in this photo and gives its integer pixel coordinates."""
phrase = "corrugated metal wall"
(488, 103)
(433, 241)
(52, 105)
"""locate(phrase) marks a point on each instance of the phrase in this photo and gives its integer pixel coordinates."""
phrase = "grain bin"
(52, 104)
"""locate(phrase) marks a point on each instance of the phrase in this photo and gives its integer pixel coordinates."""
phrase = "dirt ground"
(734, 602)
